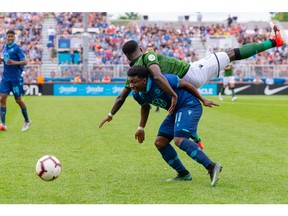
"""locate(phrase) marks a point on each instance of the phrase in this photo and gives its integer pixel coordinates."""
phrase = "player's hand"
(173, 105)
(106, 119)
(11, 62)
(209, 103)
(140, 136)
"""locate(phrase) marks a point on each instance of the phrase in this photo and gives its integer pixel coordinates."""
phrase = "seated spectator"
(77, 78)
(240, 78)
(106, 79)
(53, 74)
(257, 80)
(269, 80)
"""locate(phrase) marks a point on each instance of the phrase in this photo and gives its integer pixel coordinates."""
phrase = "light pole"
(86, 47)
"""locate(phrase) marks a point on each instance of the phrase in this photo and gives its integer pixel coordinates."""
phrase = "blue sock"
(3, 114)
(170, 156)
(25, 114)
(193, 150)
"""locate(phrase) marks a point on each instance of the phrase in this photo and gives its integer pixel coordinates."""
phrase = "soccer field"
(107, 166)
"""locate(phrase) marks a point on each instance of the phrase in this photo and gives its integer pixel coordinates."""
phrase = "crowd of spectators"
(167, 39)
(177, 42)
(28, 29)
(255, 35)
(65, 21)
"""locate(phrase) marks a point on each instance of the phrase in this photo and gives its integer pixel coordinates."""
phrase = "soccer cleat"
(187, 177)
(234, 98)
(26, 125)
(200, 144)
(277, 37)
(220, 97)
(214, 174)
(3, 127)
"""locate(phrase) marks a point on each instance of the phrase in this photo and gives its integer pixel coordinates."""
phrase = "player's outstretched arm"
(12, 62)
(209, 103)
(164, 85)
(140, 133)
(193, 90)
(119, 101)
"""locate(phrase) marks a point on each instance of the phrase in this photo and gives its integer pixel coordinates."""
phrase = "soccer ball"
(48, 167)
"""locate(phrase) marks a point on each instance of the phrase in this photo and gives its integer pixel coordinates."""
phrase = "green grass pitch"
(107, 166)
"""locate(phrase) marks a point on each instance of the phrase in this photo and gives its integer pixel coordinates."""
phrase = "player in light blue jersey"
(14, 61)
(179, 126)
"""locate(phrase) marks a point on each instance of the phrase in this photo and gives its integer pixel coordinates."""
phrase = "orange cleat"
(200, 145)
(3, 127)
(277, 37)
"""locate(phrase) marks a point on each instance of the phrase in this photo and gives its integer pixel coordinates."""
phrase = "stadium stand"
(28, 26)
(53, 44)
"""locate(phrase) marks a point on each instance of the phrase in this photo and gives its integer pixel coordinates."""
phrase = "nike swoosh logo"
(268, 91)
(229, 92)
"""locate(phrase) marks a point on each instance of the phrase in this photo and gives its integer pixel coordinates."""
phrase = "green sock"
(222, 91)
(233, 94)
(197, 138)
(251, 49)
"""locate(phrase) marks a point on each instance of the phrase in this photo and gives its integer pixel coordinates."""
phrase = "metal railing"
(120, 71)
(253, 70)
(31, 73)
(96, 72)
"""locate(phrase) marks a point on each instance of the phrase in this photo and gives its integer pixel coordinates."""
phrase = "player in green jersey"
(196, 73)
(228, 79)
(150, 48)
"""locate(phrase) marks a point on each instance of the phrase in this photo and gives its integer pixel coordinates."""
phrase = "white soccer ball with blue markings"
(48, 167)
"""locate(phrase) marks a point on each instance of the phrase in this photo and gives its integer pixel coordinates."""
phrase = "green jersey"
(228, 71)
(166, 64)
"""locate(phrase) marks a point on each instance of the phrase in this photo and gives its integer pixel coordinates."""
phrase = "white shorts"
(228, 80)
(206, 69)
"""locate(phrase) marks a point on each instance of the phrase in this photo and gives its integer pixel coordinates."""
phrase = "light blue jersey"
(156, 96)
(15, 53)
(11, 77)
(184, 120)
